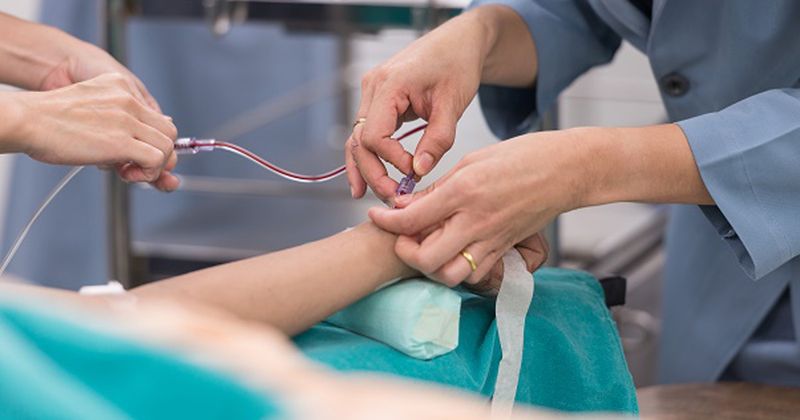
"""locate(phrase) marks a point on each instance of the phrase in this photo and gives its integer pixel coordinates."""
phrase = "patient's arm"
(295, 288)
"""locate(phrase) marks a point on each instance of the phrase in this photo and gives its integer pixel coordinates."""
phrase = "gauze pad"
(417, 317)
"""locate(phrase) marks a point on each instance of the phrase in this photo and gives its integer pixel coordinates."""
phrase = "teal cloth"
(51, 367)
(573, 357)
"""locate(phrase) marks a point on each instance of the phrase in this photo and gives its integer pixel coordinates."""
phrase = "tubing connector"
(191, 145)
(407, 184)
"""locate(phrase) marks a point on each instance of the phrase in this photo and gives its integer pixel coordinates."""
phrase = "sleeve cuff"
(736, 167)
(569, 39)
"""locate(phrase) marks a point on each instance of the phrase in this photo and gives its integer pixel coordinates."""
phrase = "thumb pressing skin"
(534, 251)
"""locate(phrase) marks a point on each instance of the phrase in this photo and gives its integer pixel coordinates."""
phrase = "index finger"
(149, 99)
(383, 116)
(157, 120)
(431, 209)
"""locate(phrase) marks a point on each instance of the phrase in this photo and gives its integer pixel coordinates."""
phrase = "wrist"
(380, 251)
(599, 169)
(30, 51)
(644, 164)
(486, 24)
(12, 122)
(507, 48)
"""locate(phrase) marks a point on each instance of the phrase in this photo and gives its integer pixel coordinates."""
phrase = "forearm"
(295, 288)
(645, 164)
(29, 51)
(509, 49)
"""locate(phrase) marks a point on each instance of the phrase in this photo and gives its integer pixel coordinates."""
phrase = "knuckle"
(450, 279)
(171, 131)
(380, 74)
(154, 158)
(366, 80)
(465, 183)
(425, 264)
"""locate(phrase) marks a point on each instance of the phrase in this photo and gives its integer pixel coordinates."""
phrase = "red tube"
(241, 151)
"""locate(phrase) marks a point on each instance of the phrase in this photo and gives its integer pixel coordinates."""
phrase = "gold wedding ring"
(361, 120)
(467, 256)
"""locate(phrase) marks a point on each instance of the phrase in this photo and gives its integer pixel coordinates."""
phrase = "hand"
(435, 78)
(534, 251)
(98, 122)
(493, 199)
(86, 61)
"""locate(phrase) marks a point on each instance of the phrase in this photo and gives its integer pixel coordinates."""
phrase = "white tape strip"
(511, 309)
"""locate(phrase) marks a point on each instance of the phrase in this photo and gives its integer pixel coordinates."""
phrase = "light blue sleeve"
(570, 39)
(749, 158)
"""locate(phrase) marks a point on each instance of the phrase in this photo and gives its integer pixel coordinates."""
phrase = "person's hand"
(102, 122)
(493, 199)
(534, 251)
(434, 78)
(86, 61)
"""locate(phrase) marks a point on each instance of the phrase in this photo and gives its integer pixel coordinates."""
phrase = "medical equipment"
(190, 145)
(57, 189)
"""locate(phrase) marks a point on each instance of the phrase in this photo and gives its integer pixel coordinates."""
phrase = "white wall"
(623, 93)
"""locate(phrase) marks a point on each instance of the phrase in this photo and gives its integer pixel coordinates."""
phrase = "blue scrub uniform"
(202, 81)
(729, 72)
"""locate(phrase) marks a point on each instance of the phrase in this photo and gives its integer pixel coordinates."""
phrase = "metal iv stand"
(118, 198)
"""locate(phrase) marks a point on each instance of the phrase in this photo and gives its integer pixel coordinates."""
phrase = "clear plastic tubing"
(189, 145)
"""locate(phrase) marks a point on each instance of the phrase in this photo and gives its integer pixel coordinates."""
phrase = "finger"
(147, 159)
(374, 173)
(158, 121)
(382, 118)
(357, 185)
(490, 284)
(439, 247)
(534, 251)
(148, 98)
(432, 208)
(403, 201)
(155, 138)
(130, 172)
(437, 139)
(166, 182)
(172, 161)
(124, 79)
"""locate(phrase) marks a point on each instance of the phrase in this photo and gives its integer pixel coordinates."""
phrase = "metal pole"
(117, 198)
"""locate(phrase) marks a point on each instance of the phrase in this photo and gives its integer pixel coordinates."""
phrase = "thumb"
(437, 140)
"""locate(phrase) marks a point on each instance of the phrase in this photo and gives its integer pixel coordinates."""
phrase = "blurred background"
(282, 79)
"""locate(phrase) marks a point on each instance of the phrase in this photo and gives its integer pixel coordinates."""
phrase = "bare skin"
(83, 107)
(296, 288)
(502, 194)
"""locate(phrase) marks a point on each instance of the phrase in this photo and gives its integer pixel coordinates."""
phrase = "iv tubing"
(57, 189)
(190, 145)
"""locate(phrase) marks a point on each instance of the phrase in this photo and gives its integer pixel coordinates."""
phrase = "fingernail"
(423, 163)
(403, 199)
(352, 191)
(168, 117)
